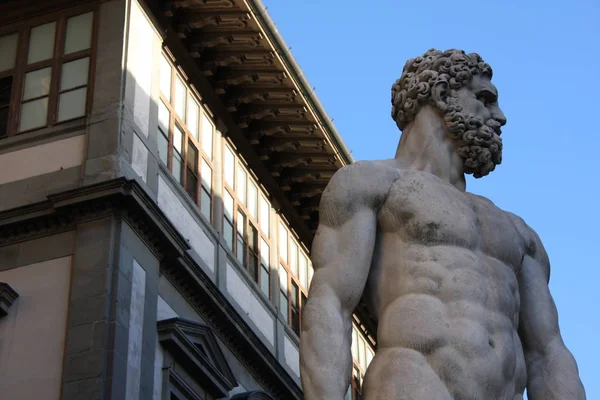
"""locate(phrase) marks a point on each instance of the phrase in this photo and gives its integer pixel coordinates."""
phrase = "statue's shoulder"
(363, 181)
(533, 243)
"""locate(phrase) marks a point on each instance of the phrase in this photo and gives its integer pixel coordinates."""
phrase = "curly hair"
(453, 67)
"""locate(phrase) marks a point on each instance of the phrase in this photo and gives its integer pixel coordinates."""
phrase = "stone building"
(161, 164)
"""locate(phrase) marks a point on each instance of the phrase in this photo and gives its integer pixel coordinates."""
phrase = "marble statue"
(458, 287)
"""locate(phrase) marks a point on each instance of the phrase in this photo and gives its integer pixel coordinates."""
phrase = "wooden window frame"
(250, 221)
(358, 372)
(56, 62)
(293, 279)
(188, 138)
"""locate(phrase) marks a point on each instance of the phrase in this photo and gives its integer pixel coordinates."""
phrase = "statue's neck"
(425, 146)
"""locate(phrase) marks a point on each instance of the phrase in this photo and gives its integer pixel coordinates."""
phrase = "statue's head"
(459, 86)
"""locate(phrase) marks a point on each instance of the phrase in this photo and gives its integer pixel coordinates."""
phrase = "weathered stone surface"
(457, 286)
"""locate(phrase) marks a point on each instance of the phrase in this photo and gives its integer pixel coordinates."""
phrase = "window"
(283, 243)
(8, 49)
(179, 146)
(194, 367)
(250, 245)
(294, 261)
(362, 355)
(265, 284)
(207, 136)
(228, 219)
(283, 292)
(48, 83)
(264, 215)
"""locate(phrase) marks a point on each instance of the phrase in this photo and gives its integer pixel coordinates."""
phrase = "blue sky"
(546, 61)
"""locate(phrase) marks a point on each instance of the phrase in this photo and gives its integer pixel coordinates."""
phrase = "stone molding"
(194, 346)
(128, 201)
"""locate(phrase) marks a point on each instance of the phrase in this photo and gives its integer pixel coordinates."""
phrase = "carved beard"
(478, 142)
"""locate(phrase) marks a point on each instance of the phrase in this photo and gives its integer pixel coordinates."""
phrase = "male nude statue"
(458, 287)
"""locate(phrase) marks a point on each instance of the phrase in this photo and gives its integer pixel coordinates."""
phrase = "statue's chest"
(425, 210)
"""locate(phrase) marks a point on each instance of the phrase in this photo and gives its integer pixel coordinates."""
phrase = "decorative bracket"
(252, 396)
(7, 298)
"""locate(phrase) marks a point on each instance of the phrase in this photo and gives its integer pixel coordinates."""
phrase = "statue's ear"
(439, 94)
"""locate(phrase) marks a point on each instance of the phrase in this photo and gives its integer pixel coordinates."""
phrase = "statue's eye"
(486, 98)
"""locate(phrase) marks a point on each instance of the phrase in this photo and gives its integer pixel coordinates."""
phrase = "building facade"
(161, 165)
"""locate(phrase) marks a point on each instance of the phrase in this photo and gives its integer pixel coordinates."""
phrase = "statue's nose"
(498, 115)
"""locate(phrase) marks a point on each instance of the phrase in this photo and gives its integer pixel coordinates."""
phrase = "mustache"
(495, 125)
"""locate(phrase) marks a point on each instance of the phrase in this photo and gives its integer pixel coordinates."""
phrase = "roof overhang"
(293, 145)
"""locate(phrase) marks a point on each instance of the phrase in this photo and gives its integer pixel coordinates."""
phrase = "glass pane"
(206, 204)
(295, 297)
(311, 271)
(283, 306)
(264, 215)
(192, 184)
(283, 243)
(252, 200)
(8, 49)
(3, 121)
(264, 253)
(253, 238)
(229, 167)
(283, 279)
(79, 33)
(228, 203)
(303, 271)
(241, 223)
(180, 96)
(41, 43)
(163, 147)
(177, 164)
(348, 393)
(362, 357)
(37, 83)
(206, 174)
(75, 73)
(241, 185)
(240, 251)
(283, 300)
(354, 344)
(253, 266)
(192, 157)
(295, 320)
(33, 114)
(294, 258)
(163, 118)
(178, 139)
(370, 356)
(72, 104)
(165, 78)
(264, 281)
(192, 122)
(207, 135)
(228, 234)
(5, 90)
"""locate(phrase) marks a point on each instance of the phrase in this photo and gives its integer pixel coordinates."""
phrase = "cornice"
(128, 201)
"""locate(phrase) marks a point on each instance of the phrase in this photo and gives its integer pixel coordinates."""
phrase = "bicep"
(343, 245)
(538, 324)
(342, 258)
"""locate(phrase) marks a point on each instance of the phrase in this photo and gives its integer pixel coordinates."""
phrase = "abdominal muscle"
(447, 326)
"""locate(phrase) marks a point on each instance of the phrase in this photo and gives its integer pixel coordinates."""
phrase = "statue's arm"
(552, 372)
(341, 252)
